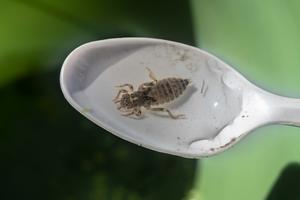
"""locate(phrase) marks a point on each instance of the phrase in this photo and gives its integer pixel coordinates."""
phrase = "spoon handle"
(285, 110)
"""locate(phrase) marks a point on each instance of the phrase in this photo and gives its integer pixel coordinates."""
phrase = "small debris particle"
(205, 91)
(227, 144)
(202, 87)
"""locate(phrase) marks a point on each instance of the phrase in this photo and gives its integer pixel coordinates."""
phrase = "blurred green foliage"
(49, 151)
(260, 39)
(38, 34)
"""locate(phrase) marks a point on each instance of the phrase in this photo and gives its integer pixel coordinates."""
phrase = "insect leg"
(169, 112)
(151, 75)
(138, 112)
(128, 114)
(126, 85)
(146, 85)
(119, 93)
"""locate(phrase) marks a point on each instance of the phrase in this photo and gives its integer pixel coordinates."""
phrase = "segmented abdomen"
(168, 89)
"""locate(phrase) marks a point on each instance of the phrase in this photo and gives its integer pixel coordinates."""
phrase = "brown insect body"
(149, 94)
(168, 89)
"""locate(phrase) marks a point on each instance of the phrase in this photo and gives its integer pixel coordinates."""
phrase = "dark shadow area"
(49, 151)
(287, 185)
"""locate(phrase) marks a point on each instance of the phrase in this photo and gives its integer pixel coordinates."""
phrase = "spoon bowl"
(220, 106)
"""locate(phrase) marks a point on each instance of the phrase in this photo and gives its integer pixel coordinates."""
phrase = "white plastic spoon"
(220, 106)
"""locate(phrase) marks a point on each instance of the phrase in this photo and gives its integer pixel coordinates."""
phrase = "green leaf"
(260, 39)
(37, 35)
(29, 38)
